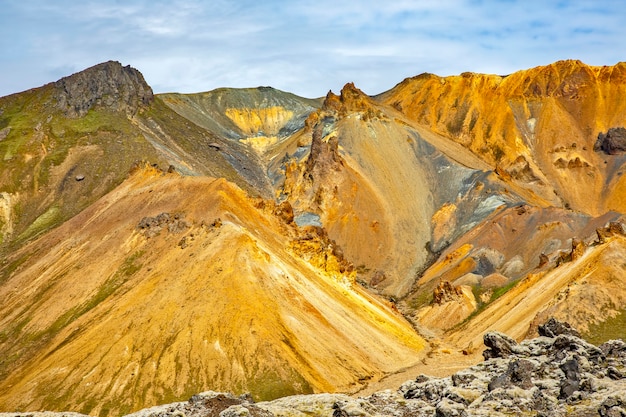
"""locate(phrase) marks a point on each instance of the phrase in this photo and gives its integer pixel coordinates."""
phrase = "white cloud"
(303, 46)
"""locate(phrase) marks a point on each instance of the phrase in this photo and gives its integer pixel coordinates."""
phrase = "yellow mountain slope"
(172, 285)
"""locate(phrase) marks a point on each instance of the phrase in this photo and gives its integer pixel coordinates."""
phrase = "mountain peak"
(351, 99)
(108, 84)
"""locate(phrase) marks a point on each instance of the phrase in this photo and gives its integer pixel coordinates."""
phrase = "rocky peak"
(332, 102)
(350, 100)
(108, 84)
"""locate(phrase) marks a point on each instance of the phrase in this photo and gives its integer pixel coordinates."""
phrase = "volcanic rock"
(612, 142)
(578, 249)
(108, 84)
(499, 345)
(285, 212)
(612, 229)
(152, 226)
(518, 373)
(554, 328)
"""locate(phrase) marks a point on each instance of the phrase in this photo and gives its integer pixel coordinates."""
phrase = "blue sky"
(305, 47)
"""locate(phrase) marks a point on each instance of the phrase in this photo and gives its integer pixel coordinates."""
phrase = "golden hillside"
(249, 240)
(170, 285)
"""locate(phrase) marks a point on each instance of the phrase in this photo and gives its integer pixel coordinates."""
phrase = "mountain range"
(153, 246)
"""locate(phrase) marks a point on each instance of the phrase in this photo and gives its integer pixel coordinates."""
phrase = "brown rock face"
(108, 84)
(612, 229)
(446, 292)
(578, 249)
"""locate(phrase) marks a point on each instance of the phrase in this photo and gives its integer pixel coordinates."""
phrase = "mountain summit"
(108, 84)
(153, 246)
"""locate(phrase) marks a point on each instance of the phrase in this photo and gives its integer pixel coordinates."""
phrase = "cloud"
(306, 47)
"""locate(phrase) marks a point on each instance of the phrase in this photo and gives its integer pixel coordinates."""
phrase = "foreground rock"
(555, 374)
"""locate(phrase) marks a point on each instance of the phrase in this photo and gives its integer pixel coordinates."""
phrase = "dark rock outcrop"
(613, 407)
(208, 404)
(571, 382)
(554, 328)
(612, 142)
(518, 373)
(499, 345)
(152, 226)
(108, 85)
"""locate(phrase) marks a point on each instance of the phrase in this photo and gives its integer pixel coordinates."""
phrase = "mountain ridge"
(302, 245)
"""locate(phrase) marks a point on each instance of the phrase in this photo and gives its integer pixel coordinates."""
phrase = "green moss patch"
(612, 328)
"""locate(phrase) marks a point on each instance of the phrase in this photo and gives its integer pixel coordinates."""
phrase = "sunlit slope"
(53, 165)
(124, 306)
(538, 125)
(588, 292)
(486, 262)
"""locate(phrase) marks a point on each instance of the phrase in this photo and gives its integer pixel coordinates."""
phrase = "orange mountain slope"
(539, 125)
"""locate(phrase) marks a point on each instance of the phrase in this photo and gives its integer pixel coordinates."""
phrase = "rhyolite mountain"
(154, 246)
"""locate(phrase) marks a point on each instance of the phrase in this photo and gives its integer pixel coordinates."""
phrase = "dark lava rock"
(565, 345)
(108, 84)
(612, 407)
(572, 378)
(554, 328)
(208, 404)
(338, 411)
(498, 345)
(614, 349)
(518, 373)
(612, 142)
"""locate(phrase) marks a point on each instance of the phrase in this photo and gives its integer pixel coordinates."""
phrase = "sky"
(302, 46)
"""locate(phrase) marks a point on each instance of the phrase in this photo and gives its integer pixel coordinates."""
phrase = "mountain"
(250, 240)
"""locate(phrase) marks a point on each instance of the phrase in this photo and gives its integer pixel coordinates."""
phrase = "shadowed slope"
(263, 123)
